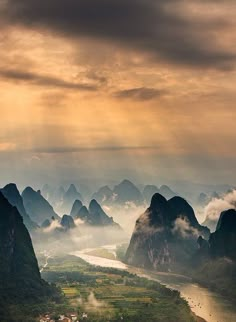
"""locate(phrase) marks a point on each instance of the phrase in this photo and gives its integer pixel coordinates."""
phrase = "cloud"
(214, 208)
(43, 80)
(54, 225)
(163, 28)
(183, 228)
(139, 94)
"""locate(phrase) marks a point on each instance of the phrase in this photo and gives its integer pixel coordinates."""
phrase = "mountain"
(167, 192)
(203, 199)
(67, 222)
(12, 194)
(53, 195)
(165, 236)
(148, 192)
(69, 198)
(83, 214)
(126, 192)
(103, 195)
(47, 191)
(77, 205)
(222, 242)
(36, 206)
(20, 280)
(95, 215)
(180, 207)
(215, 262)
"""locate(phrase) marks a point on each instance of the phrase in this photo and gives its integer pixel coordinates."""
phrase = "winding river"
(203, 302)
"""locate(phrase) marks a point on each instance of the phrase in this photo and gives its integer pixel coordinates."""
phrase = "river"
(205, 303)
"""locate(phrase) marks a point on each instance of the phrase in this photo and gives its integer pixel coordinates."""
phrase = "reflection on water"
(207, 304)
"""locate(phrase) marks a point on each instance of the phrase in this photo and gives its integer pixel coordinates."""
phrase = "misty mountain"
(167, 192)
(67, 222)
(12, 194)
(103, 195)
(37, 206)
(94, 215)
(53, 195)
(83, 214)
(202, 199)
(20, 280)
(97, 215)
(69, 198)
(77, 205)
(126, 192)
(165, 236)
(148, 192)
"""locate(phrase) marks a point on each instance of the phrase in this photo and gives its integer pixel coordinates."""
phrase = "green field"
(108, 294)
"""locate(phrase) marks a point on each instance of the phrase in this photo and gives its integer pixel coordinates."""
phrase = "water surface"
(205, 303)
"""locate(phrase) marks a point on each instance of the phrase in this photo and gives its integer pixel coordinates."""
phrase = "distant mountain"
(46, 223)
(37, 206)
(20, 280)
(53, 195)
(165, 236)
(83, 214)
(47, 191)
(69, 198)
(103, 195)
(167, 192)
(77, 205)
(12, 194)
(67, 222)
(202, 199)
(126, 192)
(95, 215)
(148, 192)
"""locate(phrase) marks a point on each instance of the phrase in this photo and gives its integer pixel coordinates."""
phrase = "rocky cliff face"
(222, 242)
(19, 272)
(37, 206)
(165, 236)
(12, 194)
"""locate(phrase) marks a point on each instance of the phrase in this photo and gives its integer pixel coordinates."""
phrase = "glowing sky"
(111, 89)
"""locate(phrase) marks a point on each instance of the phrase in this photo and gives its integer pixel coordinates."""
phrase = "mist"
(214, 208)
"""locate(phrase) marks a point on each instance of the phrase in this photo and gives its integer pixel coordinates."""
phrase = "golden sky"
(106, 89)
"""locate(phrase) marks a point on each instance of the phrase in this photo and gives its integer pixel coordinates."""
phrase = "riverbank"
(110, 294)
(203, 302)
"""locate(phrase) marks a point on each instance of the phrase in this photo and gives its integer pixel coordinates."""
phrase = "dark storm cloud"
(42, 80)
(139, 94)
(147, 25)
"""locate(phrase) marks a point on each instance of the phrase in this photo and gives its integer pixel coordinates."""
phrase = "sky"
(99, 90)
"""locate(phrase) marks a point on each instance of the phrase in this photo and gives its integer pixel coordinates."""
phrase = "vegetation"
(218, 275)
(112, 294)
